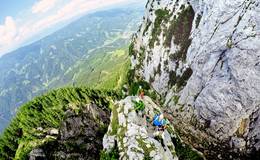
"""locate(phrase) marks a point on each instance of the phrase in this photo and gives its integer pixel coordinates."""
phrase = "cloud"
(72, 9)
(8, 31)
(43, 6)
(13, 35)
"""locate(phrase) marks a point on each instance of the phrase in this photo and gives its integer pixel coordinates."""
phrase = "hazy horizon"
(33, 20)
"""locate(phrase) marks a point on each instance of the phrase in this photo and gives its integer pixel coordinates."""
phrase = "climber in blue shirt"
(160, 121)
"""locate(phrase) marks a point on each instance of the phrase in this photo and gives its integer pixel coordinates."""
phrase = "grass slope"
(102, 71)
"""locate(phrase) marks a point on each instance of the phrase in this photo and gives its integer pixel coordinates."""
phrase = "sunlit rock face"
(134, 136)
(203, 57)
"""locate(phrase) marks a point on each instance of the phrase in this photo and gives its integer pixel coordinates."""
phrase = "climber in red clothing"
(141, 94)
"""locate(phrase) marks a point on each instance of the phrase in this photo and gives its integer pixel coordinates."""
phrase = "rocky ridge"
(135, 137)
(79, 136)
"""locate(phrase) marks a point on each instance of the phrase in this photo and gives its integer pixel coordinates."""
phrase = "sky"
(21, 21)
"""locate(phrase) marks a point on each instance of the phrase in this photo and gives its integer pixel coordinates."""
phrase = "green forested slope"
(46, 112)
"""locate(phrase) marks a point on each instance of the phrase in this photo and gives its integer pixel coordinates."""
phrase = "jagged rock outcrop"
(203, 56)
(80, 136)
(135, 137)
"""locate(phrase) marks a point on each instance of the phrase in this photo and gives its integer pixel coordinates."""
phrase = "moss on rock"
(161, 15)
(179, 32)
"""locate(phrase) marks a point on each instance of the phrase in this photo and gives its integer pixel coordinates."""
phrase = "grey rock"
(133, 134)
(152, 154)
(79, 136)
(221, 98)
(36, 154)
(108, 142)
(53, 132)
(39, 128)
(238, 143)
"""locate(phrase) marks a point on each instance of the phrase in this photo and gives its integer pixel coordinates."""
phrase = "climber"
(141, 93)
(160, 122)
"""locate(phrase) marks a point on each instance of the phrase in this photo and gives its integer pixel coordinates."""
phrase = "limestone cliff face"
(203, 56)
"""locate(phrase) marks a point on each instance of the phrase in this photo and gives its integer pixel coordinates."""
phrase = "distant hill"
(91, 51)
